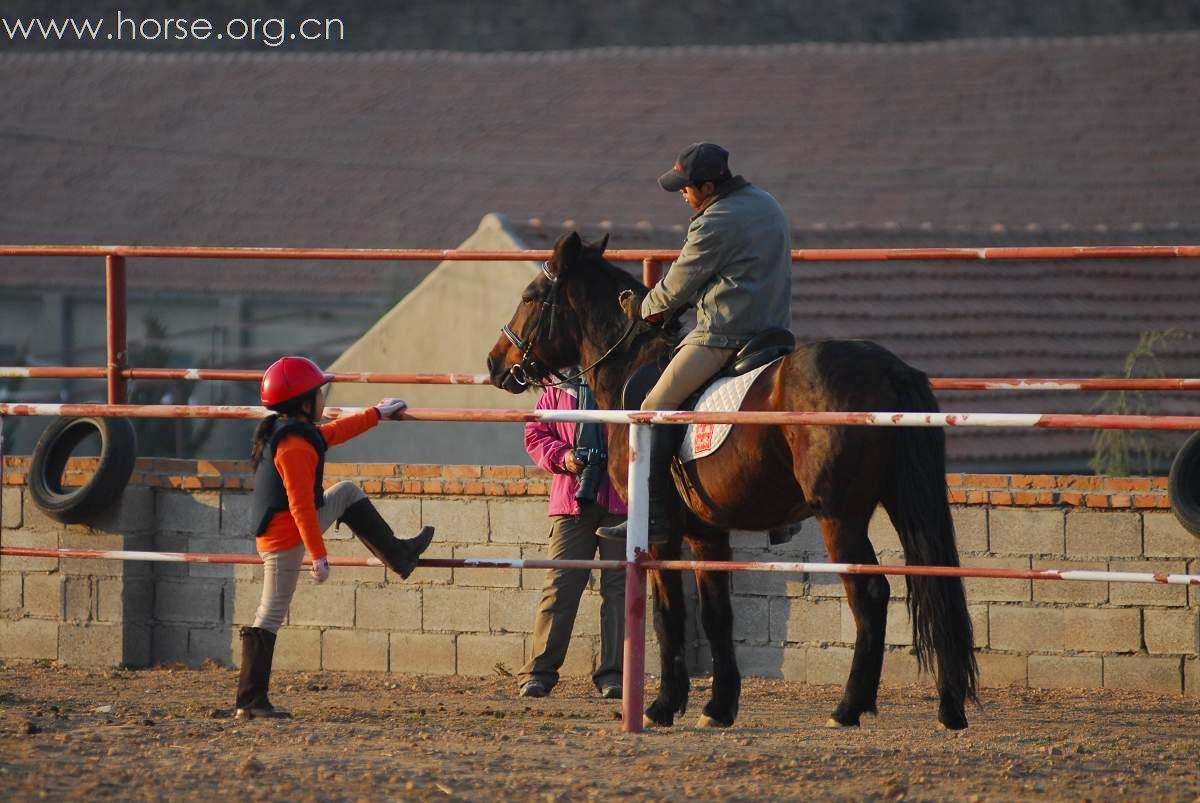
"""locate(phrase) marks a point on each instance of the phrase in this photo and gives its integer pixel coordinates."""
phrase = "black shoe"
(267, 712)
(533, 688)
(397, 554)
(254, 679)
(664, 499)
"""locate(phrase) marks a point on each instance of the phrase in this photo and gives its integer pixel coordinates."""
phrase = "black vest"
(270, 497)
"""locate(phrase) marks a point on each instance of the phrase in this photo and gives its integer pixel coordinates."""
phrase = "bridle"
(529, 371)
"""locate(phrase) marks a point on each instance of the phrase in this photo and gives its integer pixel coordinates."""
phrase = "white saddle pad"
(724, 395)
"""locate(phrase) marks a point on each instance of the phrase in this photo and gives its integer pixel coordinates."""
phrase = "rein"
(528, 371)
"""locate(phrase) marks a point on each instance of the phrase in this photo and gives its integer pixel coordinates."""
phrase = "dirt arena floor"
(168, 734)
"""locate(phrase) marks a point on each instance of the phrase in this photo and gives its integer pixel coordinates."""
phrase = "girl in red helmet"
(290, 510)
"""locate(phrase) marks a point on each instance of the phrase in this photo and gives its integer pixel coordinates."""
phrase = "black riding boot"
(398, 555)
(664, 500)
(258, 648)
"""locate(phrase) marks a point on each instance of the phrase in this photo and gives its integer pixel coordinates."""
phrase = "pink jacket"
(549, 443)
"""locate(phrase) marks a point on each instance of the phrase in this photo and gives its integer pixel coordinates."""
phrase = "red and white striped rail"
(235, 375)
(868, 419)
(645, 563)
(382, 377)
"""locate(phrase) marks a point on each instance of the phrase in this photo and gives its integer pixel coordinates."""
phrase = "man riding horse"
(736, 268)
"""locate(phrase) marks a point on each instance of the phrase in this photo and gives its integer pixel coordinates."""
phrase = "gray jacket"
(736, 267)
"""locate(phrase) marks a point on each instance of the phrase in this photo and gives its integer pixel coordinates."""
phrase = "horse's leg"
(669, 627)
(846, 542)
(716, 613)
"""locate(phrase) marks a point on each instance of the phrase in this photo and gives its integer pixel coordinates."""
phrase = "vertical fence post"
(633, 682)
(651, 272)
(118, 358)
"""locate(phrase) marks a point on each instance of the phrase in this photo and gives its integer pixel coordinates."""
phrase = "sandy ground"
(167, 733)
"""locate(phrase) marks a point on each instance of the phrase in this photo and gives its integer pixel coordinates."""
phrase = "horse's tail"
(921, 514)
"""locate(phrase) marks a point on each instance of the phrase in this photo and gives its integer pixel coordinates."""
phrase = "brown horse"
(765, 477)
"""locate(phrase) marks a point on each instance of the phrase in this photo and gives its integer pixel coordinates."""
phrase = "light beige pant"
(281, 569)
(574, 538)
(690, 368)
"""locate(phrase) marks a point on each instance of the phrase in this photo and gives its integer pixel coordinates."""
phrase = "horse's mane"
(618, 280)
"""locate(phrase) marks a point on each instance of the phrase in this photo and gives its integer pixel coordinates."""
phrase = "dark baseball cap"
(699, 162)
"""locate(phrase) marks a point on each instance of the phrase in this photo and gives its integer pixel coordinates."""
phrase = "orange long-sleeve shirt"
(296, 460)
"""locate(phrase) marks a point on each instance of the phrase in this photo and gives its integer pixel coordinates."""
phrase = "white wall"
(447, 324)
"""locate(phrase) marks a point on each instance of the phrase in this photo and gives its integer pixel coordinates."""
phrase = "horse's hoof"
(647, 722)
(705, 722)
(833, 723)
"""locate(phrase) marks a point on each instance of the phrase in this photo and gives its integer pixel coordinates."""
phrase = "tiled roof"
(982, 319)
(953, 143)
(412, 149)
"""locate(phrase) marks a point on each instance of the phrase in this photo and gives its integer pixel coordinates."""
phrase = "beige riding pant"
(281, 569)
(690, 368)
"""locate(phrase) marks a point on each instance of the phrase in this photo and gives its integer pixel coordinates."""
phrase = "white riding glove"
(388, 408)
(320, 570)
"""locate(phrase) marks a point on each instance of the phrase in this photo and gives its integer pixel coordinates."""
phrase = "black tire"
(118, 450)
(1183, 486)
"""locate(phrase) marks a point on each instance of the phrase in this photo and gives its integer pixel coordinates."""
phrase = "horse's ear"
(599, 245)
(567, 249)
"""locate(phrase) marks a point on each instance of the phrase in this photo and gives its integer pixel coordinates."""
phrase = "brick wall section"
(996, 490)
(479, 622)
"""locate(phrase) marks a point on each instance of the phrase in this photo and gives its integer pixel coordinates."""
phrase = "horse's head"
(558, 310)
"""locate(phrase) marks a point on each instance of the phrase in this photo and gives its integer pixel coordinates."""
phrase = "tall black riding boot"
(664, 500)
(258, 648)
(398, 555)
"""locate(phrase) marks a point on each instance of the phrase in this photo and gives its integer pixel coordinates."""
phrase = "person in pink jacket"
(574, 453)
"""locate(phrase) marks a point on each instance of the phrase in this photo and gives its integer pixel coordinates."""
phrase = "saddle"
(764, 348)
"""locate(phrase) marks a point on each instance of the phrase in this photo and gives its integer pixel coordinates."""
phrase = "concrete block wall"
(439, 621)
(479, 621)
(76, 611)
(1034, 633)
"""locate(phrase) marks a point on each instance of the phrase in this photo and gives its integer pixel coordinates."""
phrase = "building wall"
(478, 621)
(447, 324)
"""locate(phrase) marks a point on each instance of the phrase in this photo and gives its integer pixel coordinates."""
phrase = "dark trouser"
(574, 538)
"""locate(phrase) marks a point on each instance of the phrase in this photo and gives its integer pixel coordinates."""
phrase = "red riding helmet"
(289, 377)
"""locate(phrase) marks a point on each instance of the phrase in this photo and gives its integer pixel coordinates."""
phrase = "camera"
(595, 464)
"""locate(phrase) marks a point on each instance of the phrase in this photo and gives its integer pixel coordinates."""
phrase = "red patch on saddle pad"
(702, 437)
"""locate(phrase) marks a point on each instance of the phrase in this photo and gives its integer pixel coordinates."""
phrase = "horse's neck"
(606, 384)
(607, 379)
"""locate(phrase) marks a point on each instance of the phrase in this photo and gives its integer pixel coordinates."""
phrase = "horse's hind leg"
(716, 613)
(846, 542)
(669, 627)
